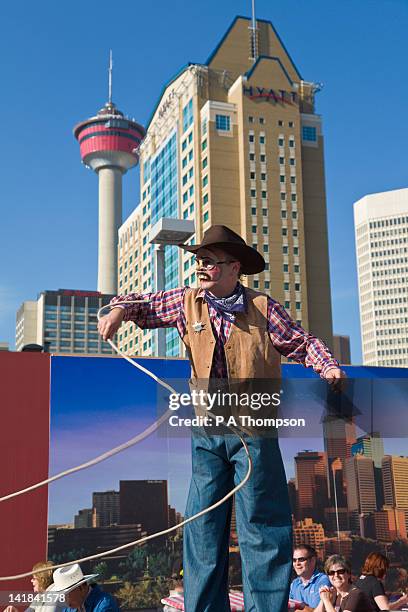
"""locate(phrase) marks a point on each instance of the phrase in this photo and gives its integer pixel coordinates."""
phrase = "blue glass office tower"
(164, 203)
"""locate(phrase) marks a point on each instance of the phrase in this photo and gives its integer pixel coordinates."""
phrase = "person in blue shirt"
(305, 587)
(81, 592)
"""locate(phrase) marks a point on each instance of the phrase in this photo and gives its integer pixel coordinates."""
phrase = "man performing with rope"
(232, 333)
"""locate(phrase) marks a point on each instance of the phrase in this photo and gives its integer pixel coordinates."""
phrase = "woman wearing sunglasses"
(342, 596)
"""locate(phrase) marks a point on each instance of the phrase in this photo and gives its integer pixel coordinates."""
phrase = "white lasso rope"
(135, 440)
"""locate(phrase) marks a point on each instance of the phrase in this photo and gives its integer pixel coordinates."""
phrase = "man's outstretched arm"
(160, 309)
(292, 341)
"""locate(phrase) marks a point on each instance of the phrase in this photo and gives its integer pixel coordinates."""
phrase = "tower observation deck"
(108, 144)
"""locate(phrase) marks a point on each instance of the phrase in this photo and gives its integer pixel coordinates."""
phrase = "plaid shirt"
(166, 309)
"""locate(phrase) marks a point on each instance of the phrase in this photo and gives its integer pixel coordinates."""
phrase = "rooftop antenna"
(110, 76)
(254, 49)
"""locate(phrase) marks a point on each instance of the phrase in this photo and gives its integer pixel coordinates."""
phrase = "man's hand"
(336, 378)
(109, 325)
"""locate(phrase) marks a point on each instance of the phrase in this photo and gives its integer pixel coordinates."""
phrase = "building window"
(204, 145)
(297, 304)
(206, 216)
(293, 179)
(287, 304)
(223, 123)
(191, 190)
(263, 194)
(281, 142)
(292, 161)
(250, 119)
(286, 267)
(290, 124)
(283, 214)
(252, 157)
(285, 250)
(264, 230)
(265, 212)
(254, 229)
(309, 133)
(262, 139)
(296, 250)
(190, 137)
(253, 193)
(291, 142)
(251, 138)
(190, 156)
(263, 176)
(281, 160)
(205, 162)
(265, 248)
(205, 199)
(280, 123)
(283, 195)
(284, 231)
(261, 120)
(252, 175)
(188, 115)
(184, 145)
(256, 284)
(262, 158)
(282, 178)
(253, 210)
(267, 284)
(205, 180)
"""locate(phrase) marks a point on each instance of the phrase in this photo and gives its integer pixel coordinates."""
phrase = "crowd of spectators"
(335, 590)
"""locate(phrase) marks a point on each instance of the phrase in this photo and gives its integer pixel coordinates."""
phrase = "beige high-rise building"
(237, 141)
(381, 227)
(360, 482)
(308, 532)
(26, 324)
(395, 482)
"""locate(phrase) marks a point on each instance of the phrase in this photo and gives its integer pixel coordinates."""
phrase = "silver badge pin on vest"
(198, 326)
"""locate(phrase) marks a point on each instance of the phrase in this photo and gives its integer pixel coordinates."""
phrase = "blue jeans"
(263, 524)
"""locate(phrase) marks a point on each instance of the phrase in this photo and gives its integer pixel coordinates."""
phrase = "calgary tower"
(108, 144)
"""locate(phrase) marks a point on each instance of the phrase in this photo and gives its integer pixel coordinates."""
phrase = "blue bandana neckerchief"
(228, 306)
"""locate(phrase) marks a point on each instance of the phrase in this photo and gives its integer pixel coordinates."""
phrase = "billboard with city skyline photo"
(344, 481)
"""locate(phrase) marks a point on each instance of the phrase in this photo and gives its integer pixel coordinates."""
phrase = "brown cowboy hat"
(224, 238)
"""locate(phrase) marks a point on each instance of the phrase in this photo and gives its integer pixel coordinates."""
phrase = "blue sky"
(54, 60)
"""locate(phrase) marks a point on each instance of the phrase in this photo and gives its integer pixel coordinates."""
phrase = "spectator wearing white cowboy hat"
(80, 594)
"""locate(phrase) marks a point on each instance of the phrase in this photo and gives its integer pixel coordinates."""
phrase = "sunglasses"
(340, 572)
(301, 559)
(209, 264)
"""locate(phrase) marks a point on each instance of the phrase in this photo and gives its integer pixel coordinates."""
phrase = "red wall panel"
(24, 443)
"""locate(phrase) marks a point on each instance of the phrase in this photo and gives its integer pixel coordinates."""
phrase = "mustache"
(203, 273)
